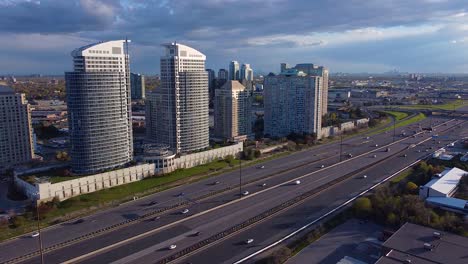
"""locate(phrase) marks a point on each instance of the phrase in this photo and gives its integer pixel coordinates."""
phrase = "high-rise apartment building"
(223, 74)
(177, 112)
(246, 72)
(314, 70)
(232, 111)
(16, 141)
(234, 73)
(211, 82)
(137, 86)
(99, 107)
(293, 103)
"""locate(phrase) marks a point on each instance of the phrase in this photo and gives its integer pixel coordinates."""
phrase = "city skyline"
(421, 36)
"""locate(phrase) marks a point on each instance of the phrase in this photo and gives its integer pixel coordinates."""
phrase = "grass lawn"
(397, 115)
(417, 118)
(402, 176)
(448, 106)
(56, 179)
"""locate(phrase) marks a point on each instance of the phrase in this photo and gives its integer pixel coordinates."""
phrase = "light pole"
(41, 252)
(240, 176)
(341, 146)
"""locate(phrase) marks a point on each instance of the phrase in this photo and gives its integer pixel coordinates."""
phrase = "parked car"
(250, 240)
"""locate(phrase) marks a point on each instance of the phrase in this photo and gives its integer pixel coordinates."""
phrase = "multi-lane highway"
(147, 240)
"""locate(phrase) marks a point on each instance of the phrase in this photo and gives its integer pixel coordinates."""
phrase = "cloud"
(227, 29)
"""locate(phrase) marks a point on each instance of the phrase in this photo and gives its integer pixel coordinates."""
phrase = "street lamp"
(39, 229)
(240, 176)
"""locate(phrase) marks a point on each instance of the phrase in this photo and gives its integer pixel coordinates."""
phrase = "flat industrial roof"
(451, 202)
(408, 244)
(5, 89)
(448, 181)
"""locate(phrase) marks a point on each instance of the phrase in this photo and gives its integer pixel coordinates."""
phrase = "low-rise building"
(423, 245)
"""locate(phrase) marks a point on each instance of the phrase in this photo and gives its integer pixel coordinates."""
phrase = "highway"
(208, 222)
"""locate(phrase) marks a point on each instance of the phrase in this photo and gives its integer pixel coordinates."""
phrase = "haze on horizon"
(346, 36)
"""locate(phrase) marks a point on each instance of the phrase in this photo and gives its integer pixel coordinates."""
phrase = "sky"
(424, 36)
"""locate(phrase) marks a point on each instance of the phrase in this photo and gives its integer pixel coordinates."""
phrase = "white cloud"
(345, 37)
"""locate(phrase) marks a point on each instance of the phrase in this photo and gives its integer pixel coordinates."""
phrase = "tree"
(362, 207)
(229, 159)
(391, 219)
(18, 221)
(411, 187)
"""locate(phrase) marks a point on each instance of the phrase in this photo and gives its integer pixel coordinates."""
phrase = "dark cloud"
(222, 28)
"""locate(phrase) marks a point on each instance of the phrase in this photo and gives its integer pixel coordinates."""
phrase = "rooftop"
(5, 89)
(448, 181)
(420, 244)
(453, 203)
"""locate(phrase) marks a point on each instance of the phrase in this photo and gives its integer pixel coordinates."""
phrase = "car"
(405, 155)
(322, 166)
(249, 241)
(173, 246)
(419, 151)
(297, 182)
(375, 156)
(367, 137)
(364, 176)
(376, 145)
(245, 193)
(387, 150)
(152, 203)
(262, 167)
(79, 221)
(156, 218)
(350, 155)
(35, 234)
(197, 233)
(264, 184)
(216, 183)
(180, 194)
(185, 211)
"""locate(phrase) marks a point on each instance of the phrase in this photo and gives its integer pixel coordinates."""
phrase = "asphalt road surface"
(173, 227)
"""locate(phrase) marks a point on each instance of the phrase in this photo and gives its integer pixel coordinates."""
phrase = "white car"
(364, 176)
(376, 145)
(264, 184)
(375, 156)
(367, 137)
(185, 211)
(171, 247)
(250, 240)
(35, 234)
(245, 193)
(262, 167)
(297, 182)
(323, 166)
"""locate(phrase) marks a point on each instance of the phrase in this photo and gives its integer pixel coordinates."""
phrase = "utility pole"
(39, 231)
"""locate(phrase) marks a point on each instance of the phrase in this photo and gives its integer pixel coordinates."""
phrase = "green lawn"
(397, 115)
(402, 176)
(448, 106)
(56, 179)
(417, 118)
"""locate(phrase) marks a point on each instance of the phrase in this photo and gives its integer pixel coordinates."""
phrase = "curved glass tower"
(99, 107)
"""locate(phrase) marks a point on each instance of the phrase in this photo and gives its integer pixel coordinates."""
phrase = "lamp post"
(240, 176)
(341, 146)
(41, 252)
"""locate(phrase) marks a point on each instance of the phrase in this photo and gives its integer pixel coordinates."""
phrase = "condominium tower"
(16, 141)
(232, 111)
(99, 107)
(234, 73)
(137, 86)
(177, 112)
(246, 72)
(293, 103)
(314, 70)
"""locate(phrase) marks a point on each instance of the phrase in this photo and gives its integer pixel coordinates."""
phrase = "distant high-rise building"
(137, 86)
(293, 103)
(284, 67)
(234, 73)
(211, 82)
(232, 111)
(320, 71)
(246, 72)
(177, 112)
(16, 140)
(223, 74)
(99, 107)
